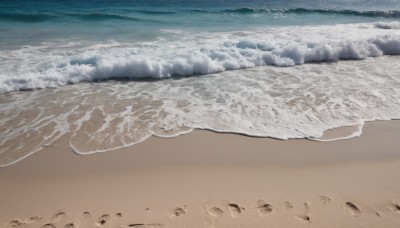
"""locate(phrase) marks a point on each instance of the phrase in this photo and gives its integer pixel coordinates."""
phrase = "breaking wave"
(374, 13)
(186, 57)
(98, 16)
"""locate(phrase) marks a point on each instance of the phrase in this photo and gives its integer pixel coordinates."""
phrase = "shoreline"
(331, 135)
(267, 101)
(206, 179)
(200, 114)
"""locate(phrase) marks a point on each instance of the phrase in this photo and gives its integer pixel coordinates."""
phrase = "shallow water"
(101, 75)
(293, 102)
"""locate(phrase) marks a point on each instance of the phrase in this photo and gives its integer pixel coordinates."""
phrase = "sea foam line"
(186, 57)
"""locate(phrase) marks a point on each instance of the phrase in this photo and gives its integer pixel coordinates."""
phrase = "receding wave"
(301, 101)
(27, 18)
(377, 13)
(284, 103)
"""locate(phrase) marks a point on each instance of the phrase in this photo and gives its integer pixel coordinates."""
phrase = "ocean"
(99, 75)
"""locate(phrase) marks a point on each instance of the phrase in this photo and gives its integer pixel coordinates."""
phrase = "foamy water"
(95, 76)
(56, 64)
(293, 102)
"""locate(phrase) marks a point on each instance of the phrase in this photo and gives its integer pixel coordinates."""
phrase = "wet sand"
(206, 179)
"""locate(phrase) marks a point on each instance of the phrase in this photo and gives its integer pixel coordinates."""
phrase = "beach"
(207, 179)
(209, 114)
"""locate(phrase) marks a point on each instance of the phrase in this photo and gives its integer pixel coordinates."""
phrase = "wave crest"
(377, 13)
(388, 25)
(187, 57)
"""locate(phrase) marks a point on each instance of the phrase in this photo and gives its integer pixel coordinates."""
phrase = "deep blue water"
(25, 22)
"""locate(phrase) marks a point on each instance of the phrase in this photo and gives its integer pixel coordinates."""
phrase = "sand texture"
(206, 179)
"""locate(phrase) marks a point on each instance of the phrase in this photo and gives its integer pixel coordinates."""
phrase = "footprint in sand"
(395, 207)
(49, 225)
(17, 223)
(214, 211)
(178, 212)
(235, 210)
(69, 225)
(288, 205)
(34, 219)
(115, 221)
(87, 214)
(58, 216)
(103, 220)
(264, 208)
(326, 199)
(305, 217)
(85, 220)
(353, 209)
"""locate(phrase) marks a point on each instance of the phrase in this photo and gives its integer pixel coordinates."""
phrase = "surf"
(218, 52)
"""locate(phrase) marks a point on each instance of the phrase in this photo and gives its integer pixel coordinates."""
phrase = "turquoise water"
(23, 22)
(54, 43)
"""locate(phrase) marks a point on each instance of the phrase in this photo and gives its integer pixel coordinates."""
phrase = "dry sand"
(205, 179)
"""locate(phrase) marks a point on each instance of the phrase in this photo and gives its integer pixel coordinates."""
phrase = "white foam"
(388, 25)
(302, 101)
(295, 102)
(50, 65)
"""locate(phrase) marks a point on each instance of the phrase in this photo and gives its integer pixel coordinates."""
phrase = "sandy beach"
(200, 114)
(206, 179)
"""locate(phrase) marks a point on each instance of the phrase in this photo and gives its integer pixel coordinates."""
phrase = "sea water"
(103, 75)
